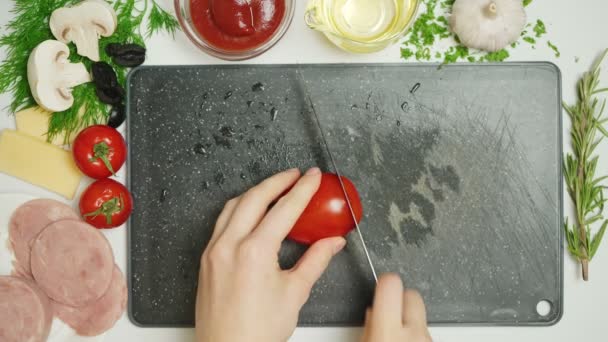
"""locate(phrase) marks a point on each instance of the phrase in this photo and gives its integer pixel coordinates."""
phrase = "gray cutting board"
(458, 168)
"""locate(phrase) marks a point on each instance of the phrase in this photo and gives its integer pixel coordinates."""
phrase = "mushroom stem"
(492, 10)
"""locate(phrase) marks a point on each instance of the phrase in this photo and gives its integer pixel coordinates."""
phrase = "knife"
(335, 166)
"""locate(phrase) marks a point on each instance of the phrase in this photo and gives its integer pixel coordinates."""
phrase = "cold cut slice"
(25, 311)
(72, 262)
(27, 222)
(99, 317)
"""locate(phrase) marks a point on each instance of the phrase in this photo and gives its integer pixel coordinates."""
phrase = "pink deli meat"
(25, 311)
(99, 317)
(72, 262)
(27, 222)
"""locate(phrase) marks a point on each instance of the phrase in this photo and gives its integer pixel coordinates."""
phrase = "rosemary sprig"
(30, 27)
(584, 187)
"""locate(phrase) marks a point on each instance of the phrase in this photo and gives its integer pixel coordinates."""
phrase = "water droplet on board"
(163, 195)
(227, 95)
(257, 87)
(415, 88)
(220, 178)
(200, 149)
(398, 122)
(243, 176)
(227, 131)
(379, 118)
(405, 106)
(274, 113)
(206, 185)
(205, 96)
(354, 107)
(249, 103)
(258, 126)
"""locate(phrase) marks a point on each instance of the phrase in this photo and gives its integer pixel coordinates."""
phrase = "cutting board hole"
(544, 307)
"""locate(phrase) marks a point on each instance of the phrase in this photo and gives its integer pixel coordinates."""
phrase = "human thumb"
(314, 262)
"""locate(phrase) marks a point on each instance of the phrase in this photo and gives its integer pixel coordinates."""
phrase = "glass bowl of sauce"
(362, 26)
(234, 29)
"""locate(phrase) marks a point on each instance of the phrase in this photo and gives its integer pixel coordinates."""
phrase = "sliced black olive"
(129, 60)
(111, 96)
(116, 49)
(127, 55)
(104, 75)
(118, 115)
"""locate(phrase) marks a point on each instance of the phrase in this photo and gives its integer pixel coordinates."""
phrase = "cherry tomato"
(327, 214)
(99, 151)
(106, 204)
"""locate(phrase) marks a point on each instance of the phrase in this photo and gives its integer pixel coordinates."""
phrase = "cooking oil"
(361, 25)
(363, 20)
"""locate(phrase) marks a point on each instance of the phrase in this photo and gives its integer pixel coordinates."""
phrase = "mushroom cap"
(51, 76)
(488, 25)
(83, 24)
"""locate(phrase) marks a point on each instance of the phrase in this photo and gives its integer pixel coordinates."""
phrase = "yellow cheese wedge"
(39, 163)
(34, 122)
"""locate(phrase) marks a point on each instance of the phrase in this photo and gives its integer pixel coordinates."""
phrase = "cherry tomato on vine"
(99, 151)
(328, 214)
(106, 204)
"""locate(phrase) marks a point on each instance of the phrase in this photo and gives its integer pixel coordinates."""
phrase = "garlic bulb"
(488, 25)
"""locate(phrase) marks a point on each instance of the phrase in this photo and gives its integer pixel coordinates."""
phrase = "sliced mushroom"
(83, 24)
(51, 76)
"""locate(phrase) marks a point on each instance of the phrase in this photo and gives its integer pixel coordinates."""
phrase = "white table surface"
(577, 28)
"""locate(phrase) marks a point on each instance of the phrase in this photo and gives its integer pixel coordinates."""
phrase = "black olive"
(118, 115)
(129, 60)
(104, 75)
(111, 96)
(127, 55)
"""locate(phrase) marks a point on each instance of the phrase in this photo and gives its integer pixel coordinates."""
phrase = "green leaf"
(539, 28)
(527, 2)
(597, 239)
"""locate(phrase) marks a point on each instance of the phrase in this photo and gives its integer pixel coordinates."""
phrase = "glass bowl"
(318, 17)
(182, 10)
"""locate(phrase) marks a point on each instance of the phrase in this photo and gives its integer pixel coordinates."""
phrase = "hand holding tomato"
(328, 214)
(99, 151)
(106, 204)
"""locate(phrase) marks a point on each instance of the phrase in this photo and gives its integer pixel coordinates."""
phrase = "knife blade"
(335, 166)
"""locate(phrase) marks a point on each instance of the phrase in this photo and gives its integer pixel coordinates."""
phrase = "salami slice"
(99, 317)
(25, 311)
(72, 262)
(27, 222)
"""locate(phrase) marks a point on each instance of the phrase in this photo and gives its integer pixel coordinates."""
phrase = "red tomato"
(327, 214)
(106, 204)
(99, 151)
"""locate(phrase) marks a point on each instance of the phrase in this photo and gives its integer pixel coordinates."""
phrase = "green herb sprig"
(30, 27)
(585, 188)
(432, 26)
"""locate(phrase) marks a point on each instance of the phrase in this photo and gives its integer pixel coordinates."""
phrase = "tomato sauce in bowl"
(237, 25)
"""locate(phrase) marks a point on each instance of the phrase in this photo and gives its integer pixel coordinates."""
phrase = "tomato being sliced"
(106, 204)
(99, 151)
(327, 214)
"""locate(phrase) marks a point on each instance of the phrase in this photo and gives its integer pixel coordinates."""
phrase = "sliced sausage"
(25, 311)
(27, 222)
(99, 317)
(72, 262)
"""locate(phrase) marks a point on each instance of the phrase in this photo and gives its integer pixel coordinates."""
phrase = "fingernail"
(339, 246)
(295, 169)
(314, 171)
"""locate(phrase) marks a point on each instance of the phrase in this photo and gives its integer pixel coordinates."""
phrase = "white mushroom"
(488, 25)
(51, 76)
(83, 24)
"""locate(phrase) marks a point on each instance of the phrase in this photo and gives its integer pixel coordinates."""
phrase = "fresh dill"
(31, 20)
(432, 26)
(585, 188)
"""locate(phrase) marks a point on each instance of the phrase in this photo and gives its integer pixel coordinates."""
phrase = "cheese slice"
(39, 163)
(34, 122)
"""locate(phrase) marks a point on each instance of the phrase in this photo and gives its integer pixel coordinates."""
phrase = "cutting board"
(458, 168)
